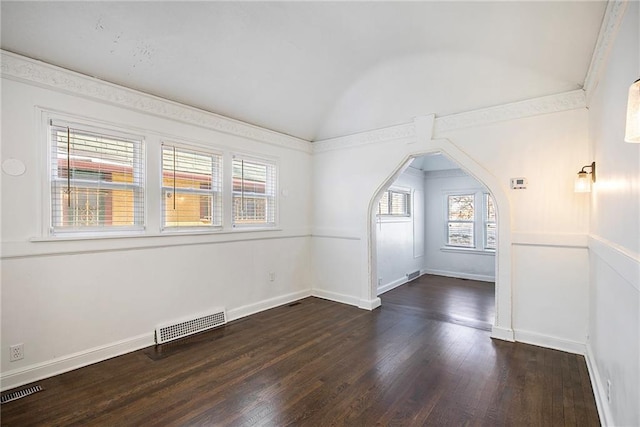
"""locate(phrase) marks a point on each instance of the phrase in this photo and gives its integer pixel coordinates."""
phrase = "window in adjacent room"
(395, 203)
(96, 179)
(460, 220)
(254, 192)
(191, 187)
(489, 222)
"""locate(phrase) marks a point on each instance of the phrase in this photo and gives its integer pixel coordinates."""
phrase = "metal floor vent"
(189, 326)
(411, 276)
(20, 393)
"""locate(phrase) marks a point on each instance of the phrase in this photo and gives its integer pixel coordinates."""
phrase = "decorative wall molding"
(610, 24)
(560, 240)
(407, 130)
(515, 110)
(39, 73)
(624, 262)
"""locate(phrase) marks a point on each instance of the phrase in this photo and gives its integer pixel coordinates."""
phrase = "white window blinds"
(254, 192)
(191, 187)
(97, 179)
(394, 203)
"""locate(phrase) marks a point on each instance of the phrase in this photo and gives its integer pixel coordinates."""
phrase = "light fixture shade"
(632, 133)
(583, 183)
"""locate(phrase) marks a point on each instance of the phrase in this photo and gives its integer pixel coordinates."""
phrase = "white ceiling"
(317, 69)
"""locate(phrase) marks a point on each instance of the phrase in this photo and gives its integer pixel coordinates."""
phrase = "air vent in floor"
(15, 395)
(413, 275)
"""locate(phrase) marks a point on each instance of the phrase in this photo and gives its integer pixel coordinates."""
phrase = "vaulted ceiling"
(317, 69)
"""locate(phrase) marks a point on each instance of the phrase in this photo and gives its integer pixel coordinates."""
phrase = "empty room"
(320, 213)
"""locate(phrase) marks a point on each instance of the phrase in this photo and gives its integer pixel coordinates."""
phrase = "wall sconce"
(632, 133)
(584, 179)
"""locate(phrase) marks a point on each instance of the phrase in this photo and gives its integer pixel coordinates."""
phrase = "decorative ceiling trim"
(516, 110)
(407, 130)
(610, 24)
(20, 68)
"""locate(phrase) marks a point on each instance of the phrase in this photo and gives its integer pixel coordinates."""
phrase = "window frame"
(52, 180)
(447, 221)
(271, 193)
(390, 216)
(486, 197)
(480, 237)
(216, 187)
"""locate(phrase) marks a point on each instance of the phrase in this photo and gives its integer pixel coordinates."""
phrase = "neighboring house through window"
(191, 187)
(254, 192)
(97, 179)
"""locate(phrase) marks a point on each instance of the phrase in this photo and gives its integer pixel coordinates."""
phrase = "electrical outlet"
(272, 276)
(609, 391)
(16, 352)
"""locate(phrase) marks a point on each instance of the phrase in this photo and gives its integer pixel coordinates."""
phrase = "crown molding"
(445, 173)
(610, 25)
(23, 69)
(407, 130)
(414, 172)
(516, 110)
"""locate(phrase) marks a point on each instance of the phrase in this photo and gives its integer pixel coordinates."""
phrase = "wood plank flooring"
(423, 358)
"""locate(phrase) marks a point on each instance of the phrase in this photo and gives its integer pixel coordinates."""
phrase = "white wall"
(79, 301)
(547, 218)
(479, 265)
(400, 242)
(614, 241)
(549, 221)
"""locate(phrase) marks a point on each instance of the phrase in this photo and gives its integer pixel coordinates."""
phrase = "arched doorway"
(502, 326)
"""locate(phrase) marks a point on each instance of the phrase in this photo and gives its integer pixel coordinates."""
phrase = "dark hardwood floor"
(423, 358)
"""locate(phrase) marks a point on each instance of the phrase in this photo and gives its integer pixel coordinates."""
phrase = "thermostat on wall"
(518, 183)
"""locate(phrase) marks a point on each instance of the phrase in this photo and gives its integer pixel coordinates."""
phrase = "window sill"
(472, 251)
(141, 234)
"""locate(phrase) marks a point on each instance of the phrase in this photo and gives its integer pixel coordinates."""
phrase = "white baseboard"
(392, 285)
(249, 309)
(458, 275)
(335, 296)
(370, 304)
(599, 391)
(39, 371)
(503, 334)
(548, 341)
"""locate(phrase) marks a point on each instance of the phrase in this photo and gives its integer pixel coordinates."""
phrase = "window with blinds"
(191, 187)
(254, 192)
(395, 203)
(460, 220)
(97, 179)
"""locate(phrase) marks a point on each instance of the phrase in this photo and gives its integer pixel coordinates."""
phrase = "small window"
(395, 203)
(254, 192)
(489, 222)
(460, 224)
(97, 180)
(191, 188)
